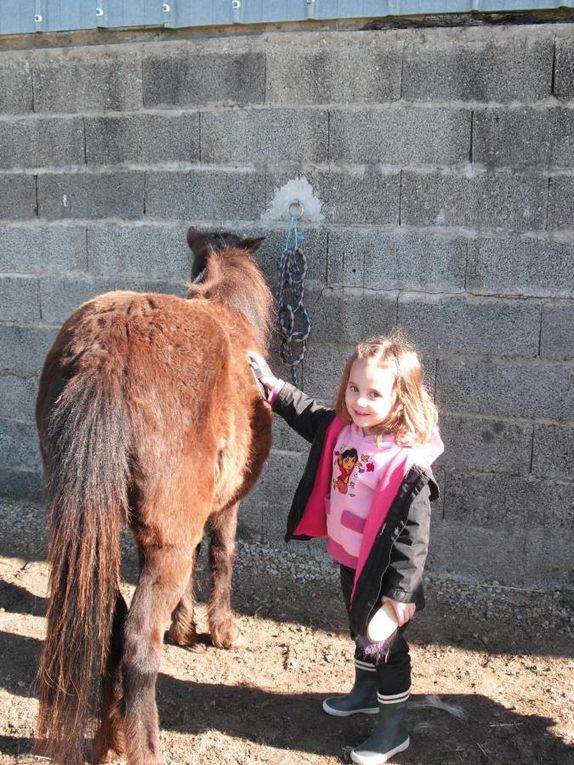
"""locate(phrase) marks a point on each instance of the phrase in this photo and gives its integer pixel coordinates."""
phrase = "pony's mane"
(233, 278)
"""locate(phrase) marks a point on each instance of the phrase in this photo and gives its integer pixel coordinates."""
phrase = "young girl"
(367, 486)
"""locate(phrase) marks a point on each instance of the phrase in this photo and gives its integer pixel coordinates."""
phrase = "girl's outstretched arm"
(301, 412)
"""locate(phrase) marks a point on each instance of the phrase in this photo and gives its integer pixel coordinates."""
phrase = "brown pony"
(148, 414)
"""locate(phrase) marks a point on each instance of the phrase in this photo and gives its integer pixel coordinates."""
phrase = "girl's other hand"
(262, 370)
(403, 611)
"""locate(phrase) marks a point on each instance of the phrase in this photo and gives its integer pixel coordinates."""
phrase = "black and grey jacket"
(396, 559)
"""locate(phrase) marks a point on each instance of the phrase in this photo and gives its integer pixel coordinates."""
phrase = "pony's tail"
(87, 461)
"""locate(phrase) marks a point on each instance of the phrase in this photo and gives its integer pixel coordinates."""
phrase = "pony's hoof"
(225, 635)
(180, 635)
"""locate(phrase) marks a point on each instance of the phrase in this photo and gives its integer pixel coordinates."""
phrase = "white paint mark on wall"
(296, 188)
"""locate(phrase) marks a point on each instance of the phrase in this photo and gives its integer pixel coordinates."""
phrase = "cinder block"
(86, 80)
(548, 554)
(91, 195)
(41, 142)
(19, 299)
(17, 196)
(19, 445)
(60, 296)
(151, 251)
(498, 524)
(564, 69)
(322, 369)
(165, 287)
(515, 266)
(550, 537)
(476, 443)
(553, 451)
(345, 315)
(40, 248)
(18, 396)
(212, 195)
(15, 86)
(23, 349)
(478, 553)
(557, 338)
(285, 439)
(503, 387)
(188, 78)
(491, 201)
(274, 492)
(142, 138)
(470, 325)
(279, 479)
(561, 202)
(481, 553)
(368, 196)
(310, 69)
(348, 196)
(270, 135)
(401, 135)
(511, 67)
(523, 137)
(488, 500)
(404, 260)
(550, 505)
(345, 263)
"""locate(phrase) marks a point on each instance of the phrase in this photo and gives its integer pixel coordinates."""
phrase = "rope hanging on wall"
(293, 317)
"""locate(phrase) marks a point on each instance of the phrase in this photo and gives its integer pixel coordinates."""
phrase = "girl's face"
(370, 394)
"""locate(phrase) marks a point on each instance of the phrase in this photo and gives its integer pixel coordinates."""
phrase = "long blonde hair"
(414, 417)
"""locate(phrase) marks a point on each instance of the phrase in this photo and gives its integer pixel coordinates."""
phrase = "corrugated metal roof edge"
(72, 15)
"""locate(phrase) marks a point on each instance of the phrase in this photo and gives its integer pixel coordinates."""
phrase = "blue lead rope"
(292, 268)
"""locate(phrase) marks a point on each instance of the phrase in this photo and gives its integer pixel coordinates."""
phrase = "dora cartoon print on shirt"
(346, 461)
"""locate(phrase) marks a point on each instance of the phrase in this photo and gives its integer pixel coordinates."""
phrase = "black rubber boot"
(361, 699)
(389, 737)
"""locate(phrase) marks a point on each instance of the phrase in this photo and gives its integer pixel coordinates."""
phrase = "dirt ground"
(503, 658)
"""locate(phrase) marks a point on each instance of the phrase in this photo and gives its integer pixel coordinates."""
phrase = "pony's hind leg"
(162, 581)
(109, 740)
(222, 527)
(183, 630)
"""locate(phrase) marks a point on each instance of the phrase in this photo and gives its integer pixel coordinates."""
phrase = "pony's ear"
(252, 244)
(192, 236)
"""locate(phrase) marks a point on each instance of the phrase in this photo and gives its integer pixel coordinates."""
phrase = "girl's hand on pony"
(262, 370)
(403, 611)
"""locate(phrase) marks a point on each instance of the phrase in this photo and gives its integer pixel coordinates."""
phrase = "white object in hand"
(383, 623)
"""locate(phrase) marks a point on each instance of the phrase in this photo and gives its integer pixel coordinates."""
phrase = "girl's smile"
(370, 395)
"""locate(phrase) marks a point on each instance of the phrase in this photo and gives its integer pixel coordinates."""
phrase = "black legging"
(393, 668)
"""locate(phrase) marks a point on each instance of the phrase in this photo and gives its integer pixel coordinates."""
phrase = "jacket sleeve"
(301, 412)
(403, 576)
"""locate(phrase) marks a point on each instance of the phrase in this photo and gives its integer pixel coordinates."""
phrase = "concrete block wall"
(444, 159)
